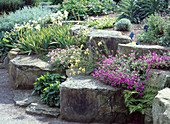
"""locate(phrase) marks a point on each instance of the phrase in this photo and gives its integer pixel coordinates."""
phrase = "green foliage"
(123, 25)
(6, 40)
(136, 103)
(137, 10)
(31, 2)
(101, 23)
(7, 22)
(47, 86)
(42, 39)
(80, 9)
(158, 31)
(10, 5)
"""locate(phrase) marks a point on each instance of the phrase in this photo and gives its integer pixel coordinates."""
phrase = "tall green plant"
(137, 10)
(41, 40)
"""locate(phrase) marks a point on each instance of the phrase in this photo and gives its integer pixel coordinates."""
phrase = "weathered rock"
(111, 38)
(41, 109)
(140, 49)
(161, 107)
(12, 54)
(148, 116)
(83, 99)
(23, 71)
(73, 22)
(24, 98)
(76, 29)
(159, 78)
(2, 66)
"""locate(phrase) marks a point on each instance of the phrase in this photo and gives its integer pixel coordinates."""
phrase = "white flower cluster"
(29, 25)
(57, 18)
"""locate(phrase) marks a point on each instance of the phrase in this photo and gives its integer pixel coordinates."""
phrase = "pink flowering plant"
(62, 58)
(131, 73)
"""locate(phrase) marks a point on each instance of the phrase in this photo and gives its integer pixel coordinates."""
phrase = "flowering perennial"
(129, 71)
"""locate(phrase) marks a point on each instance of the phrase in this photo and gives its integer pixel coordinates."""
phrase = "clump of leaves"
(158, 30)
(47, 86)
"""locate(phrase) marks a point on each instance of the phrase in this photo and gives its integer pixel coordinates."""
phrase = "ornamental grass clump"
(131, 73)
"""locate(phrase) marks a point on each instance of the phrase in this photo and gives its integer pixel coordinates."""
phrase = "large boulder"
(84, 99)
(159, 78)
(75, 30)
(23, 71)
(161, 107)
(140, 49)
(111, 38)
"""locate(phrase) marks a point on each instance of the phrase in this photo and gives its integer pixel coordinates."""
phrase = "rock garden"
(95, 61)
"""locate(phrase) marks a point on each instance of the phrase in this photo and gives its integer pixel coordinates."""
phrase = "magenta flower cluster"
(129, 71)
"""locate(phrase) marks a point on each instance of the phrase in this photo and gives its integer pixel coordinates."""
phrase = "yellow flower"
(71, 66)
(83, 70)
(87, 50)
(74, 52)
(80, 68)
(71, 69)
(90, 37)
(81, 46)
(79, 72)
(76, 64)
(97, 52)
(71, 57)
(74, 73)
(77, 61)
(100, 43)
(70, 74)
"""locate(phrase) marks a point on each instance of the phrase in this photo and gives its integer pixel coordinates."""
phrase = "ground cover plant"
(132, 73)
(80, 9)
(47, 86)
(101, 23)
(7, 22)
(123, 25)
(157, 30)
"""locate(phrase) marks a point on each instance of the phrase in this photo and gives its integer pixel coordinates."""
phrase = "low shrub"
(47, 86)
(130, 73)
(124, 25)
(10, 5)
(157, 30)
(7, 22)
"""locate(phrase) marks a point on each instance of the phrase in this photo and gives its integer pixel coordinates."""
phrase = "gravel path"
(11, 114)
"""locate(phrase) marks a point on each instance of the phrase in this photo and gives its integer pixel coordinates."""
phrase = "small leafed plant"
(47, 86)
(124, 25)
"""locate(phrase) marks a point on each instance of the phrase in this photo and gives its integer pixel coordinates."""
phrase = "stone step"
(83, 99)
(140, 49)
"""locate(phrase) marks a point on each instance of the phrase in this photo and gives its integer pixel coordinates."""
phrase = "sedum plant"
(123, 25)
(47, 86)
(7, 22)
